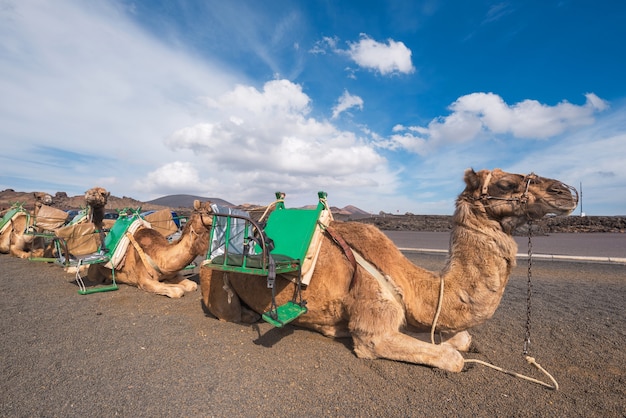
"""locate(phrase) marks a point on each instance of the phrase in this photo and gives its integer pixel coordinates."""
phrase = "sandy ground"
(129, 353)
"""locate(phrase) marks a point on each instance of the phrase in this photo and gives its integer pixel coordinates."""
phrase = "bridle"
(522, 198)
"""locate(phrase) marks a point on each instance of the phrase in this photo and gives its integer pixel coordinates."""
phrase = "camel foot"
(188, 285)
(460, 341)
(174, 292)
(451, 359)
(248, 316)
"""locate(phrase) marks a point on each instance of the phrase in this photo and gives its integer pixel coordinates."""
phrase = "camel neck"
(480, 262)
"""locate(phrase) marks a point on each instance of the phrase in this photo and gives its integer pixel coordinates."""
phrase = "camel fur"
(160, 272)
(389, 315)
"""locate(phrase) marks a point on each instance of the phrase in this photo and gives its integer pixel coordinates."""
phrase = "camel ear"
(471, 179)
(196, 205)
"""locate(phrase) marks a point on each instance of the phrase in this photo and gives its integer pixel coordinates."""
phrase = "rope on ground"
(531, 360)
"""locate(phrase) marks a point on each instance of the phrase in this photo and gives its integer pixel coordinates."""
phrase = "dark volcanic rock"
(443, 223)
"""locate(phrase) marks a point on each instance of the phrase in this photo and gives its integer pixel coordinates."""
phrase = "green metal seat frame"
(280, 247)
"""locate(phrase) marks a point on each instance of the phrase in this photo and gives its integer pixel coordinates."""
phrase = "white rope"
(437, 312)
(531, 360)
(79, 279)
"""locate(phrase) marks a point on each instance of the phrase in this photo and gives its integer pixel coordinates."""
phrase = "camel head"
(200, 223)
(512, 199)
(97, 197)
(42, 198)
(204, 214)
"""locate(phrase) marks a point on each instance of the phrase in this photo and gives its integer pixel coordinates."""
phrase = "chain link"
(529, 289)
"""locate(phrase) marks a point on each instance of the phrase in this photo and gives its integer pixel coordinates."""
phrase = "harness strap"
(151, 266)
(384, 280)
(346, 250)
(484, 190)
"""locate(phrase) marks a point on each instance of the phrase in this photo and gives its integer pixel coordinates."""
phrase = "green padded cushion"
(117, 232)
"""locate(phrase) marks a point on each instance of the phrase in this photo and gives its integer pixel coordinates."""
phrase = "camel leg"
(221, 299)
(401, 347)
(18, 252)
(145, 282)
(186, 284)
(460, 340)
(376, 317)
(170, 290)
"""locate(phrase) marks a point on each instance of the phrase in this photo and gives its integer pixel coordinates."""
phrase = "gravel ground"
(130, 353)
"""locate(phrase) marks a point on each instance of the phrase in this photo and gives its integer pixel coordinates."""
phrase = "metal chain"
(529, 289)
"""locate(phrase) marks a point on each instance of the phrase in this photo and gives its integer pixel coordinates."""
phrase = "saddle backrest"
(6, 219)
(291, 230)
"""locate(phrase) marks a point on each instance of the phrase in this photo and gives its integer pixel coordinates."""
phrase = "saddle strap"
(151, 266)
(346, 250)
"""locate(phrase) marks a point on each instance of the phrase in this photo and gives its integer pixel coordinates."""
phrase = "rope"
(270, 206)
(530, 360)
(79, 279)
(438, 311)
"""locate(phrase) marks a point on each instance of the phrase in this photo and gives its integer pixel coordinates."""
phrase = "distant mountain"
(353, 210)
(186, 201)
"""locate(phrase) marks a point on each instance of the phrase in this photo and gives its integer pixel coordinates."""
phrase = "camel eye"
(506, 185)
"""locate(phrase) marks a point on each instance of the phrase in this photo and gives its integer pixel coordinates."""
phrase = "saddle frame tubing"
(255, 225)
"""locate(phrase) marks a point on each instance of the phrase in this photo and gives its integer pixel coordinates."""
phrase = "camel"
(153, 264)
(388, 306)
(14, 240)
(96, 199)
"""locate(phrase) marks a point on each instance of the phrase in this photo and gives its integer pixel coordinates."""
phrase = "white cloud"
(345, 102)
(480, 114)
(83, 79)
(389, 58)
(274, 143)
(173, 177)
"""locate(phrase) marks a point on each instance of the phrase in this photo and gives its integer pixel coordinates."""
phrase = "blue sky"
(383, 104)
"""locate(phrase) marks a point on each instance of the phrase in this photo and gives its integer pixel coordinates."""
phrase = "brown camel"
(386, 306)
(96, 199)
(86, 235)
(155, 266)
(14, 238)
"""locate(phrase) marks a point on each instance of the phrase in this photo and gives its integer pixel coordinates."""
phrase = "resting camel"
(13, 239)
(155, 267)
(385, 307)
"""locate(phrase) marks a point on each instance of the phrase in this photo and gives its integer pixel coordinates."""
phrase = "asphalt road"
(609, 247)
